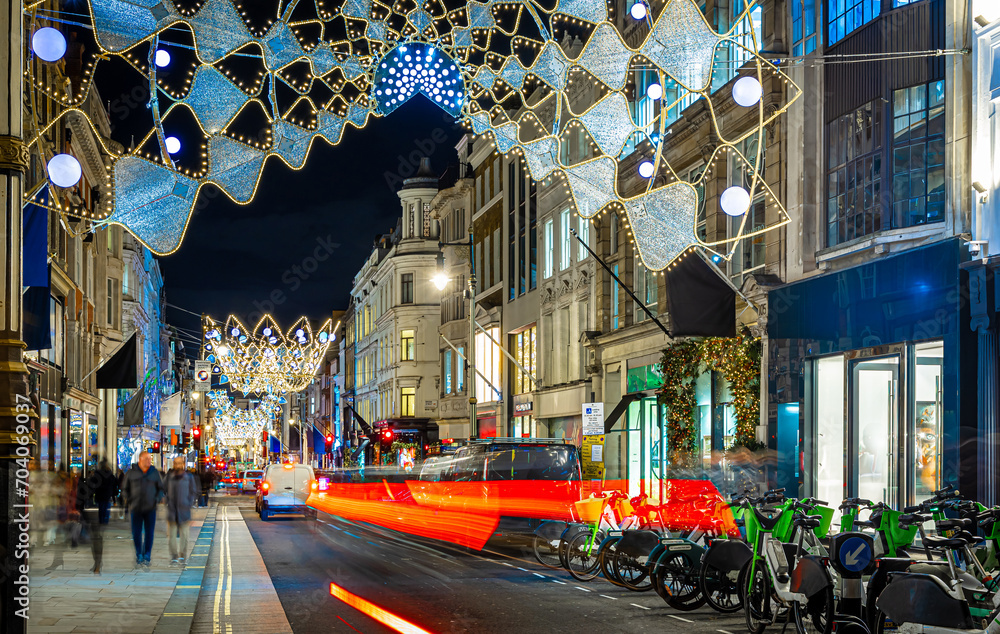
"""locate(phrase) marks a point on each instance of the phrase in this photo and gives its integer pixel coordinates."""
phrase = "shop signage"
(202, 376)
(430, 404)
(592, 457)
(593, 419)
(520, 408)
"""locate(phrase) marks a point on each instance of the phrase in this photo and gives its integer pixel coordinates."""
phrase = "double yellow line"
(225, 576)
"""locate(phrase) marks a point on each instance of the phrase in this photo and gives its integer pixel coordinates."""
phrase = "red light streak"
(380, 614)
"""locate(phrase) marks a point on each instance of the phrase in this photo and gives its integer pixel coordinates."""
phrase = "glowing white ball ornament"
(747, 91)
(638, 11)
(735, 201)
(646, 169)
(162, 58)
(48, 44)
(654, 91)
(64, 170)
(173, 144)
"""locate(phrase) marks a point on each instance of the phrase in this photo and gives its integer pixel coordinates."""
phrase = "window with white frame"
(645, 290)
(584, 233)
(550, 246)
(566, 249)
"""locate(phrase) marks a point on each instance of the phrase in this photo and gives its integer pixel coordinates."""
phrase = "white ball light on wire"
(64, 170)
(735, 201)
(747, 91)
(638, 11)
(48, 44)
(654, 91)
(646, 169)
(173, 144)
(162, 58)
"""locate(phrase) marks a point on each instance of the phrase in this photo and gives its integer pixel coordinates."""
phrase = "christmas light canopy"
(508, 70)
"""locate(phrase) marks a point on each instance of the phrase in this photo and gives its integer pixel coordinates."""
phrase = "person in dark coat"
(205, 480)
(182, 493)
(104, 486)
(143, 490)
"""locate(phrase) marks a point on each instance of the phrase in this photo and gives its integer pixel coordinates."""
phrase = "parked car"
(251, 480)
(230, 480)
(284, 489)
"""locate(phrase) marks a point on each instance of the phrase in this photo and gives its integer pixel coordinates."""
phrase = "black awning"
(619, 409)
(122, 369)
(700, 302)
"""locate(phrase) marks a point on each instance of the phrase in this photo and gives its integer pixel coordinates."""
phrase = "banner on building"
(701, 303)
(170, 411)
(202, 376)
(35, 242)
(134, 409)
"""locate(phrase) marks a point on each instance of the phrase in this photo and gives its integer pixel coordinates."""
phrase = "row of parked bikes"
(775, 559)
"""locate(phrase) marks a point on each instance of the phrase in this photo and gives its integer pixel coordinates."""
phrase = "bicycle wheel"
(677, 575)
(546, 551)
(883, 624)
(582, 557)
(632, 574)
(720, 588)
(756, 597)
(816, 617)
(607, 557)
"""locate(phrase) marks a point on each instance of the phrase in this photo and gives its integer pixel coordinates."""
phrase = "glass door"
(874, 428)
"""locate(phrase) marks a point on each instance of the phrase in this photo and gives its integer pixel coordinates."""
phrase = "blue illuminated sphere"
(64, 170)
(48, 44)
(173, 144)
(162, 58)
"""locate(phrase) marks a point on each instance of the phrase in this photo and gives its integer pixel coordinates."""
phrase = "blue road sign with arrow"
(855, 554)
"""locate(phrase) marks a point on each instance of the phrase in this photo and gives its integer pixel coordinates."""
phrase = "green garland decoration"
(738, 359)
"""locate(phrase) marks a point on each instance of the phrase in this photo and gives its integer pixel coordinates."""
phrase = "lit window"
(407, 401)
(566, 238)
(844, 16)
(550, 246)
(447, 372)
(406, 345)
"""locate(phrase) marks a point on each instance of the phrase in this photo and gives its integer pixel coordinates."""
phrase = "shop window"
(845, 16)
(407, 401)
(926, 407)
(828, 399)
(406, 345)
(854, 174)
(918, 155)
(488, 361)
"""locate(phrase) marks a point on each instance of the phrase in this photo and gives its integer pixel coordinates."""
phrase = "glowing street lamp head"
(440, 281)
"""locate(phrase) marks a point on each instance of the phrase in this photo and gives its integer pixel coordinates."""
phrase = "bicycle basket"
(827, 514)
(590, 509)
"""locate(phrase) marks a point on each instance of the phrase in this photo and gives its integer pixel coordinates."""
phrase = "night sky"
(307, 232)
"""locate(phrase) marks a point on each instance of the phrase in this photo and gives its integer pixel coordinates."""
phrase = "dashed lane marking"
(680, 618)
(724, 631)
(582, 588)
(607, 597)
(522, 569)
(562, 583)
(642, 607)
(538, 575)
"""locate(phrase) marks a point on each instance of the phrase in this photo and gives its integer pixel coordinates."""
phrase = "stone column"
(13, 372)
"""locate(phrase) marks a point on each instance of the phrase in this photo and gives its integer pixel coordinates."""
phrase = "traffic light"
(385, 438)
(155, 448)
(329, 443)
(185, 440)
(196, 436)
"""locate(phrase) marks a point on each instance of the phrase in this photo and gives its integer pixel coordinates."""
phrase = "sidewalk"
(121, 599)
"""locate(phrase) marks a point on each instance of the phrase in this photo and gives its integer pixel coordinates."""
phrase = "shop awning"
(122, 369)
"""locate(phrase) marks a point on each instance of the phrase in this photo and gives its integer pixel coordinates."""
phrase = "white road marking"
(724, 631)
(562, 583)
(642, 607)
(538, 575)
(584, 589)
(520, 568)
(607, 597)
(505, 563)
(680, 618)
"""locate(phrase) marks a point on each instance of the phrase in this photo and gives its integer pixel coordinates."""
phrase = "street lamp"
(440, 278)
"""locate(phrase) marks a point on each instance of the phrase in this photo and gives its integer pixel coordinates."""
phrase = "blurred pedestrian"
(143, 490)
(206, 484)
(104, 485)
(181, 495)
(121, 494)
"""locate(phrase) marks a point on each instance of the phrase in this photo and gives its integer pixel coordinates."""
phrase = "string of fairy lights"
(263, 362)
(532, 77)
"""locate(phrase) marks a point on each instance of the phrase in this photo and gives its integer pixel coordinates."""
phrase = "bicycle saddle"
(807, 521)
(911, 519)
(944, 542)
(948, 525)
(969, 538)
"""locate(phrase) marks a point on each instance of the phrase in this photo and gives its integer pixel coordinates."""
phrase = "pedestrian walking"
(104, 485)
(143, 490)
(182, 492)
(121, 494)
(206, 485)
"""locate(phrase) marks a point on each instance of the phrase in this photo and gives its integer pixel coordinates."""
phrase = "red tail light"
(315, 485)
(265, 487)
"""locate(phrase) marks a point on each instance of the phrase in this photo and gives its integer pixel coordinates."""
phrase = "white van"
(284, 489)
